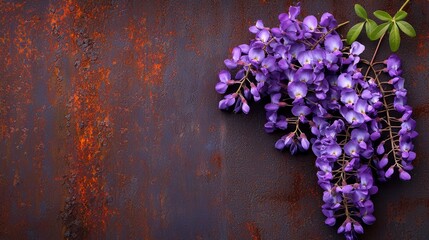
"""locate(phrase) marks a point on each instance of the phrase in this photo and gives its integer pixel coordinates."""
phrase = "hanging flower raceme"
(360, 125)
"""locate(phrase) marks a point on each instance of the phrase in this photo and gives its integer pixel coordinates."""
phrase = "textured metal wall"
(110, 129)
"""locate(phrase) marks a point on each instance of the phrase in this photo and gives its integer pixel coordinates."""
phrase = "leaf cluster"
(390, 25)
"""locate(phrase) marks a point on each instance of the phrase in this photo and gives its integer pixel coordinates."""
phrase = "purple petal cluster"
(313, 85)
(399, 124)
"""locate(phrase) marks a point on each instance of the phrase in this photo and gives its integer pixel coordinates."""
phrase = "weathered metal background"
(110, 129)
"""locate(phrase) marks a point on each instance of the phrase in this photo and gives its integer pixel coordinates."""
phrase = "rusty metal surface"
(109, 127)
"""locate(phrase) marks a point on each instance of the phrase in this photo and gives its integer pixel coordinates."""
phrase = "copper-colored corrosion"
(109, 127)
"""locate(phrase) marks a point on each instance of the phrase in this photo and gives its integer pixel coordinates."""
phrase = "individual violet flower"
(327, 20)
(393, 65)
(228, 101)
(257, 27)
(224, 81)
(333, 44)
(297, 90)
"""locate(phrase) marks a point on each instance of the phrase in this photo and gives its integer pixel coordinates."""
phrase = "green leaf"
(400, 15)
(394, 38)
(406, 28)
(379, 30)
(370, 25)
(360, 11)
(382, 15)
(354, 32)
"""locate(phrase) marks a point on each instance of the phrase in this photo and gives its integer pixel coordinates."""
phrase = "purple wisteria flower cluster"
(358, 125)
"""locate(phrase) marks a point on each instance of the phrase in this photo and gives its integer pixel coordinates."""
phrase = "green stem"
(403, 5)
(243, 80)
(379, 42)
(344, 23)
(296, 126)
(375, 54)
(326, 34)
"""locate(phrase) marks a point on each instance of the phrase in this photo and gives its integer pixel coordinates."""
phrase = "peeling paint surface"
(109, 127)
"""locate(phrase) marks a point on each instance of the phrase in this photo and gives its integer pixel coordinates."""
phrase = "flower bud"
(389, 172)
(304, 141)
(403, 175)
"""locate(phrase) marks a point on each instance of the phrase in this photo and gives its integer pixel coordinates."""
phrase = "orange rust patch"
(92, 129)
(421, 110)
(422, 49)
(86, 209)
(217, 159)
(193, 45)
(212, 170)
(253, 230)
(294, 196)
(17, 55)
(150, 55)
(420, 68)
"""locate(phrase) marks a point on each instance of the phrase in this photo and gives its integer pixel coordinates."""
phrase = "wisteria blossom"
(314, 85)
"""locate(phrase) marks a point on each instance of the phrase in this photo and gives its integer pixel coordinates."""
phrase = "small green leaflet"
(400, 15)
(354, 32)
(360, 11)
(394, 38)
(406, 28)
(379, 31)
(382, 15)
(370, 25)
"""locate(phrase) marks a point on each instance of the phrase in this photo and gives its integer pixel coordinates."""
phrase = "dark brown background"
(110, 129)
